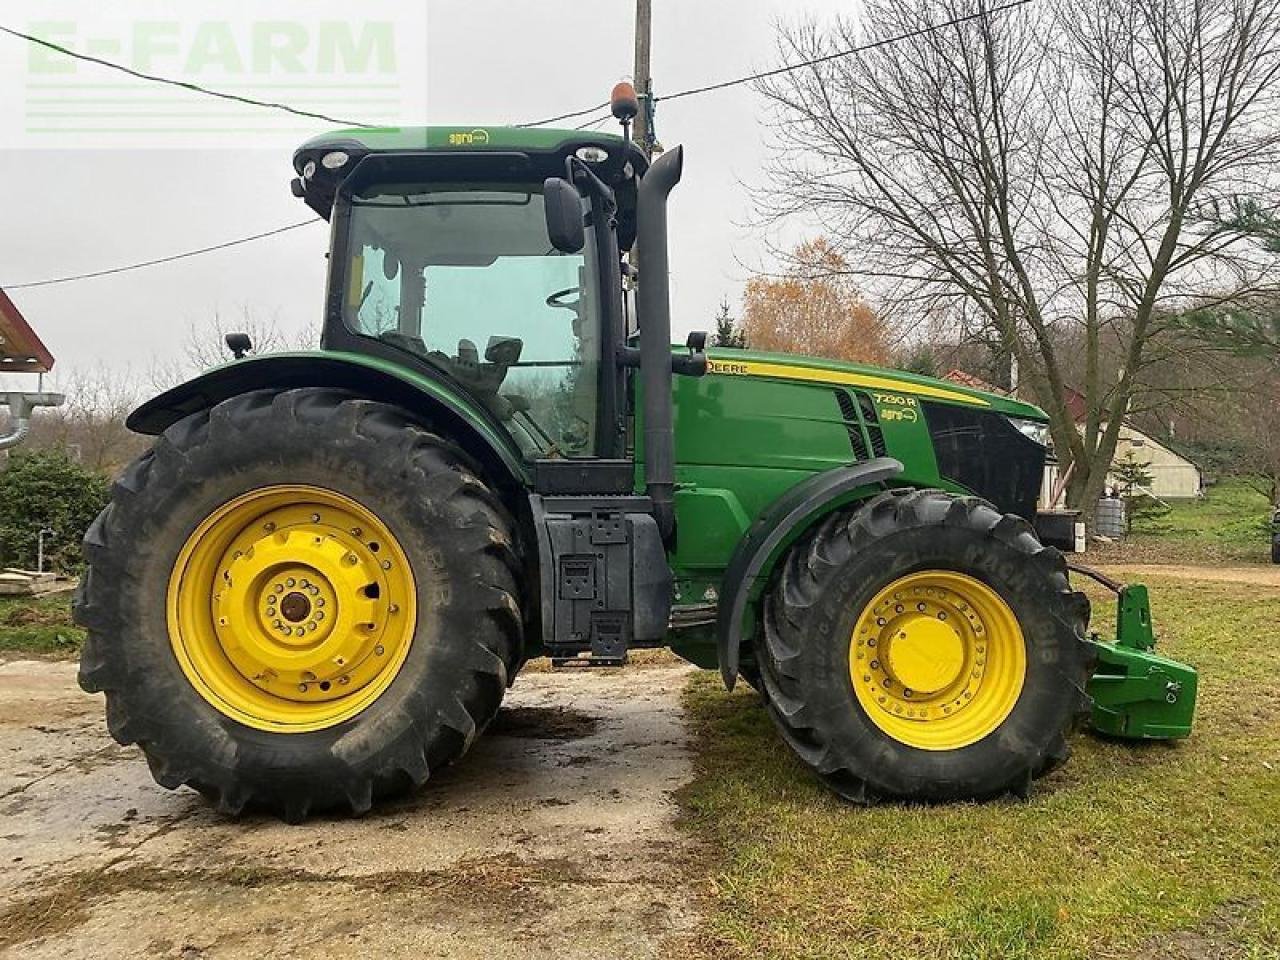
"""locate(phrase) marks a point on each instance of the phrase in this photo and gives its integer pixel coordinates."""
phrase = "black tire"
(831, 575)
(1275, 548)
(460, 544)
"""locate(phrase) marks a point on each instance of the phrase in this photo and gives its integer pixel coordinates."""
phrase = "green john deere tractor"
(315, 588)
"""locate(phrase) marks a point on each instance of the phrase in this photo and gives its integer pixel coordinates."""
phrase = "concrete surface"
(554, 837)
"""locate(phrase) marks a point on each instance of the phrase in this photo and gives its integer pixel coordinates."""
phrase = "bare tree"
(90, 425)
(1041, 171)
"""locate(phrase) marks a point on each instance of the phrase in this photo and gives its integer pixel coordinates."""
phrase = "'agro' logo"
(271, 47)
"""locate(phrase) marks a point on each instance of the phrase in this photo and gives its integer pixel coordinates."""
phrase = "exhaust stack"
(653, 304)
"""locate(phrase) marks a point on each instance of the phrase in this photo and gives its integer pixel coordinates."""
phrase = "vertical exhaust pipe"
(653, 304)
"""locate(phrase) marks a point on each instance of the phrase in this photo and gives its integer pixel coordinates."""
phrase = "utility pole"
(644, 83)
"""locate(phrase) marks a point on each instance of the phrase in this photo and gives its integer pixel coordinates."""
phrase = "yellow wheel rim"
(937, 660)
(291, 608)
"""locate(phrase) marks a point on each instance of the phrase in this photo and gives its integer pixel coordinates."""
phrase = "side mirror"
(239, 344)
(564, 215)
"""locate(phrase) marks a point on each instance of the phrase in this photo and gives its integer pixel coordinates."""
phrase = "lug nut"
(379, 650)
(291, 582)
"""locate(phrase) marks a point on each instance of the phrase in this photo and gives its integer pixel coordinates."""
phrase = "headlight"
(335, 160)
(1035, 430)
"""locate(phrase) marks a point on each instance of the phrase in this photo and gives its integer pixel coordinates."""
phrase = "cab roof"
(524, 153)
(520, 139)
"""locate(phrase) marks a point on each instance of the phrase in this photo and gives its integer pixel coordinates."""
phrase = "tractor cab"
(443, 258)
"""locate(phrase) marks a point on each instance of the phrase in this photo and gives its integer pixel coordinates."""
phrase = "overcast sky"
(100, 191)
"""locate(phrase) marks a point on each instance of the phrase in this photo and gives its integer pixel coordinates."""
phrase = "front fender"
(440, 406)
(781, 523)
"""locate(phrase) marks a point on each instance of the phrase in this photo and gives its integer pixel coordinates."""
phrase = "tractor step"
(586, 662)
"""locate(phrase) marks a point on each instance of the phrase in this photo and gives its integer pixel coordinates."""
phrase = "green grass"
(1231, 523)
(1156, 850)
(39, 626)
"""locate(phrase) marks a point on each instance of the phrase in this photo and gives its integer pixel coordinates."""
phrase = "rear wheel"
(925, 647)
(300, 601)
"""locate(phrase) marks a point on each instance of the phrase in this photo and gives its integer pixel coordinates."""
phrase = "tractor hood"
(777, 417)
(785, 366)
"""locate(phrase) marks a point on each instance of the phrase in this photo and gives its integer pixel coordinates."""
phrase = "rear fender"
(439, 405)
(784, 521)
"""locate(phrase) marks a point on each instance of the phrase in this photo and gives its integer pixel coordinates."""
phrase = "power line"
(565, 116)
(181, 84)
(873, 45)
(788, 68)
(594, 123)
(153, 263)
(691, 92)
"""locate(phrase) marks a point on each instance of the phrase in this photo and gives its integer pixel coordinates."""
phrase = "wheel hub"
(294, 607)
(937, 659)
(925, 654)
(311, 609)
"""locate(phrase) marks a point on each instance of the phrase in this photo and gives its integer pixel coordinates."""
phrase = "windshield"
(465, 276)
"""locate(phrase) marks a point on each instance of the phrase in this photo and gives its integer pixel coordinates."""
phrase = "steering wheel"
(557, 299)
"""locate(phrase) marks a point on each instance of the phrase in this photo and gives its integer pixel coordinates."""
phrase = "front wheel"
(300, 601)
(925, 647)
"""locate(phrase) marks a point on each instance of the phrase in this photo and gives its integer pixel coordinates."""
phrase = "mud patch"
(543, 723)
(497, 883)
(1216, 938)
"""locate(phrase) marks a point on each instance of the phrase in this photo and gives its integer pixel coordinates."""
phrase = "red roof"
(21, 351)
(1075, 401)
(956, 375)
